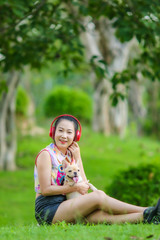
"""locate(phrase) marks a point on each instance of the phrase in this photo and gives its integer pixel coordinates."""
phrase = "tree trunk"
(101, 117)
(154, 107)
(100, 40)
(102, 88)
(7, 124)
(136, 103)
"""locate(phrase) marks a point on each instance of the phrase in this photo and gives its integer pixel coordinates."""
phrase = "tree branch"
(31, 13)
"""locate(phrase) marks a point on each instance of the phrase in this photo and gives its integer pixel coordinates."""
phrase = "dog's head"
(72, 172)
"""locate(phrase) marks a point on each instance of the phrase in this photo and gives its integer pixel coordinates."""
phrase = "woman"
(96, 207)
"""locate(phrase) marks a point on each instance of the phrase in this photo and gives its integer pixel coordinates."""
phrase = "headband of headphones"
(78, 132)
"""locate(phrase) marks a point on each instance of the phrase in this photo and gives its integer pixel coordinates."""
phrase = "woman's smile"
(62, 141)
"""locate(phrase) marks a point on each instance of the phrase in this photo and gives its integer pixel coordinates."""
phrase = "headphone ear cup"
(52, 132)
(78, 136)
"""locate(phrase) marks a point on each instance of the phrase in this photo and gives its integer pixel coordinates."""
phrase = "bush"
(64, 100)
(22, 102)
(137, 185)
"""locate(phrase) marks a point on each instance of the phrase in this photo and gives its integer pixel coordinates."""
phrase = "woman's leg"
(103, 217)
(114, 206)
(86, 204)
(72, 209)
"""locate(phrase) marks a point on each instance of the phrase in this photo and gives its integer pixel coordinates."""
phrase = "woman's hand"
(82, 187)
(75, 150)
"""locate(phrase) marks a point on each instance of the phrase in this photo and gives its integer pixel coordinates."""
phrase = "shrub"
(22, 101)
(137, 185)
(64, 100)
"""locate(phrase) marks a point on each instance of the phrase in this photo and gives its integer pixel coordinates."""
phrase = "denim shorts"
(46, 207)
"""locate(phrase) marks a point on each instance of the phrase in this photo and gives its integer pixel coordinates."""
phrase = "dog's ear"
(65, 164)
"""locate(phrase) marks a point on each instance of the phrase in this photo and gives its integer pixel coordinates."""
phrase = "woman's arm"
(75, 150)
(83, 175)
(44, 174)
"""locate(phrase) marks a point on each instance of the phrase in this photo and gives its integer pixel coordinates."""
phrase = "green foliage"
(99, 66)
(134, 19)
(116, 96)
(131, 19)
(33, 33)
(67, 100)
(37, 32)
(22, 102)
(3, 87)
(137, 185)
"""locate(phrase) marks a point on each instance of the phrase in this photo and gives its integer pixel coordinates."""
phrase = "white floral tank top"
(57, 173)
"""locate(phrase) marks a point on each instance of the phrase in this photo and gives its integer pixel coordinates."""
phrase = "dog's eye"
(70, 171)
(78, 170)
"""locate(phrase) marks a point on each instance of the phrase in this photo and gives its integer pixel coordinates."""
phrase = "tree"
(130, 20)
(104, 48)
(35, 32)
(32, 33)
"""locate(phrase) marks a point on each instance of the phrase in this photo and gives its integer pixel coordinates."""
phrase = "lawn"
(80, 232)
(102, 157)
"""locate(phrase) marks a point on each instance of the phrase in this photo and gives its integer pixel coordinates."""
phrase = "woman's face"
(64, 135)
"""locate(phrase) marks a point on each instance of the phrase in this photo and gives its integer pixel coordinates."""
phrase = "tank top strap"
(44, 149)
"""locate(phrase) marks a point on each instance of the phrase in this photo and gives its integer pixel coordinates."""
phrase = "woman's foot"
(152, 214)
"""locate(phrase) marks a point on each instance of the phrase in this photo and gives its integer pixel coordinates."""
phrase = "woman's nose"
(64, 134)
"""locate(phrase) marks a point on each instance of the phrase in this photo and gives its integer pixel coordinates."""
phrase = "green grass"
(102, 157)
(75, 232)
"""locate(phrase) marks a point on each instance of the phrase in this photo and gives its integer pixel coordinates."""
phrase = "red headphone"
(78, 132)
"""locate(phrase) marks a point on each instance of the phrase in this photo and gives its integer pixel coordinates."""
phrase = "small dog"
(72, 176)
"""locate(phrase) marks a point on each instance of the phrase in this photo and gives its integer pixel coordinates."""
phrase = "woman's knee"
(100, 198)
